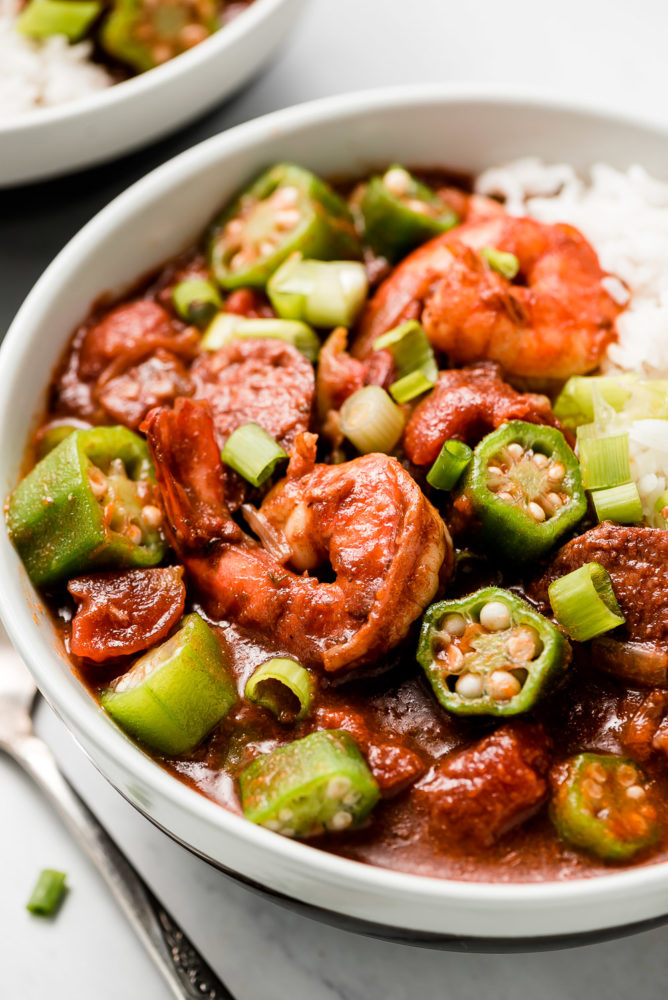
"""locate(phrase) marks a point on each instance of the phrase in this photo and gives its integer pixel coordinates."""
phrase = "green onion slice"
(621, 504)
(196, 301)
(371, 420)
(72, 18)
(604, 460)
(410, 347)
(410, 386)
(253, 453)
(322, 293)
(48, 893)
(584, 602)
(505, 264)
(226, 327)
(283, 686)
(450, 464)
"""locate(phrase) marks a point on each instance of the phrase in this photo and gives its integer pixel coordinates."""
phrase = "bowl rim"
(18, 616)
(143, 83)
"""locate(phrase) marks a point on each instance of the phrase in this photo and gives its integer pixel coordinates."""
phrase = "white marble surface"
(611, 52)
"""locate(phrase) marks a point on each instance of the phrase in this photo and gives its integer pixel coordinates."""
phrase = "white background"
(613, 53)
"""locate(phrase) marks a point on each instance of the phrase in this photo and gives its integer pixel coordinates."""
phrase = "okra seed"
(495, 616)
(234, 227)
(536, 511)
(596, 771)
(506, 497)
(626, 775)
(556, 472)
(397, 181)
(133, 532)
(502, 686)
(340, 820)
(161, 53)
(554, 499)
(337, 787)
(289, 831)
(515, 450)
(267, 248)
(98, 482)
(522, 644)
(351, 799)
(286, 218)
(192, 34)
(287, 195)
(285, 815)
(592, 789)
(418, 206)
(455, 659)
(151, 516)
(636, 792)
(540, 460)
(272, 824)
(469, 686)
(454, 625)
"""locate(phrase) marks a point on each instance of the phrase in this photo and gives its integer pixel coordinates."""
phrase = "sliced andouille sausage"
(482, 792)
(266, 382)
(124, 613)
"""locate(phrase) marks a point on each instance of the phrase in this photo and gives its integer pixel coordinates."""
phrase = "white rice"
(625, 217)
(41, 74)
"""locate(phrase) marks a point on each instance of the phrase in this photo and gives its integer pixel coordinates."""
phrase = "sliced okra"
(525, 489)
(315, 784)
(287, 209)
(400, 213)
(176, 693)
(604, 804)
(490, 653)
(147, 33)
(88, 504)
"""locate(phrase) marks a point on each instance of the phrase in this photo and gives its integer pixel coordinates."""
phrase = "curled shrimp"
(554, 320)
(387, 546)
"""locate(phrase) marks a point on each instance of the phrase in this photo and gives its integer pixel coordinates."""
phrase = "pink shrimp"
(387, 546)
(554, 321)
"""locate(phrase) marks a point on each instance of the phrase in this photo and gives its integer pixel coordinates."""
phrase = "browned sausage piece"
(484, 791)
(257, 381)
(637, 561)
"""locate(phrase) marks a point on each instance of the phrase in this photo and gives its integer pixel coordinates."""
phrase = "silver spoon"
(183, 968)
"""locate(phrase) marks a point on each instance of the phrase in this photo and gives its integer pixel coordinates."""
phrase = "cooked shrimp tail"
(189, 474)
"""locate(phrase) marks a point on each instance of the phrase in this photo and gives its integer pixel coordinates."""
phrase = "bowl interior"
(157, 218)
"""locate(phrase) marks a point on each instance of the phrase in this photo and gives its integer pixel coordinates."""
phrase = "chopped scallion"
(283, 686)
(450, 464)
(226, 327)
(505, 264)
(661, 506)
(410, 347)
(72, 18)
(604, 460)
(618, 503)
(410, 386)
(252, 453)
(371, 420)
(48, 893)
(196, 301)
(584, 602)
(322, 293)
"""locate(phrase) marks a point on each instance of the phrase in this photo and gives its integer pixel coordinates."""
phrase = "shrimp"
(554, 321)
(467, 403)
(387, 546)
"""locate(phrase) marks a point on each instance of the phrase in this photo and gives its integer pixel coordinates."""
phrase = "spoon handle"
(183, 968)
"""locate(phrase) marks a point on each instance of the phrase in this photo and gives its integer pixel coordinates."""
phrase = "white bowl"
(50, 141)
(156, 218)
